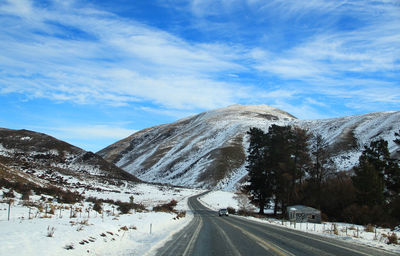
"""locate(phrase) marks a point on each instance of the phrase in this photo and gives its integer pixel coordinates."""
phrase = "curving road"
(209, 234)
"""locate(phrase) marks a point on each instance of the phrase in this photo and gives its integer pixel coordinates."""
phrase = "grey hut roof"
(303, 208)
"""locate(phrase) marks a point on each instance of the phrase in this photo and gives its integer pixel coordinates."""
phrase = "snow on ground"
(345, 231)
(219, 199)
(31, 232)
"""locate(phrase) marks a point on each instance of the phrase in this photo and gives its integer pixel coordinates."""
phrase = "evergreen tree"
(397, 139)
(320, 169)
(259, 181)
(368, 183)
(280, 164)
(392, 175)
(276, 164)
(288, 160)
(301, 159)
(369, 179)
(397, 142)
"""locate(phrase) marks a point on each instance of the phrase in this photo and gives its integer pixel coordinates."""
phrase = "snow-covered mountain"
(347, 136)
(41, 159)
(209, 149)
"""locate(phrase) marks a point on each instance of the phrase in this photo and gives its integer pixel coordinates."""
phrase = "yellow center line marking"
(228, 240)
(268, 246)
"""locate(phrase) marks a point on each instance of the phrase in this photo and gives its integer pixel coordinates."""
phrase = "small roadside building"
(301, 213)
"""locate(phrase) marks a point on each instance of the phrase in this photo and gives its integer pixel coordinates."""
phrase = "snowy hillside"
(209, 150)
(52, 160)
(347, 136)
(206, 150)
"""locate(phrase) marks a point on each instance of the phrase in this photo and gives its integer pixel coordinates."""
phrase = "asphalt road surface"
(209, 234)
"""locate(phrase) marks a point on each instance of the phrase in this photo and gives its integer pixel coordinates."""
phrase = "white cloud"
(88, 56)
(17, 7)
(115, 62)
(301, 111)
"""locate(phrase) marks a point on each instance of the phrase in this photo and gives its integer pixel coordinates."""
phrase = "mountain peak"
(254, 109)
(200, 150)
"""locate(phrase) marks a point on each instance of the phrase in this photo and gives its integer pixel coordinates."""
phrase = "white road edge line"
(194, 238)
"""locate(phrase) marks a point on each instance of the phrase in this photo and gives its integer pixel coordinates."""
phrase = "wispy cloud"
(88, 56)
(69, 52)
(339, 46)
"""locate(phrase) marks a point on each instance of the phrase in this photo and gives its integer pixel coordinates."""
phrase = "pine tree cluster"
(288, 166)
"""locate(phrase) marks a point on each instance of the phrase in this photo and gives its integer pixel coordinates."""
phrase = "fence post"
(9, 208)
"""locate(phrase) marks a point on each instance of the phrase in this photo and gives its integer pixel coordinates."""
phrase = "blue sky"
(93, 72)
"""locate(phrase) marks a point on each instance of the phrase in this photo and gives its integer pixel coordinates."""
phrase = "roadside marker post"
(9, 208)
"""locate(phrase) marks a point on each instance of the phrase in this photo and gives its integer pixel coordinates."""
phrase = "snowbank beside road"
(125, 234)
(33, 232)
(220, 199)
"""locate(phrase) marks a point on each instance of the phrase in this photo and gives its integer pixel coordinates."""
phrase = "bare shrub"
(181, 214)
(335, 229)
(98, 207)
(69, 247)
(52, 209)
(9, 194)
(124, 208)
(50, 231)
(168, 207)
(244, 212)
(393, 239)
(231, 210)
(26, 194)
(369, 228)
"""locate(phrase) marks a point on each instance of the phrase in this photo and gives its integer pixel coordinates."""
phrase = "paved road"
(209, 234)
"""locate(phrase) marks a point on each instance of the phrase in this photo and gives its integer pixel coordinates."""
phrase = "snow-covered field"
(31, 232)
(344, 231)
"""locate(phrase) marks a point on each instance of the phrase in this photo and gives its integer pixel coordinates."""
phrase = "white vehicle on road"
(223, 212)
